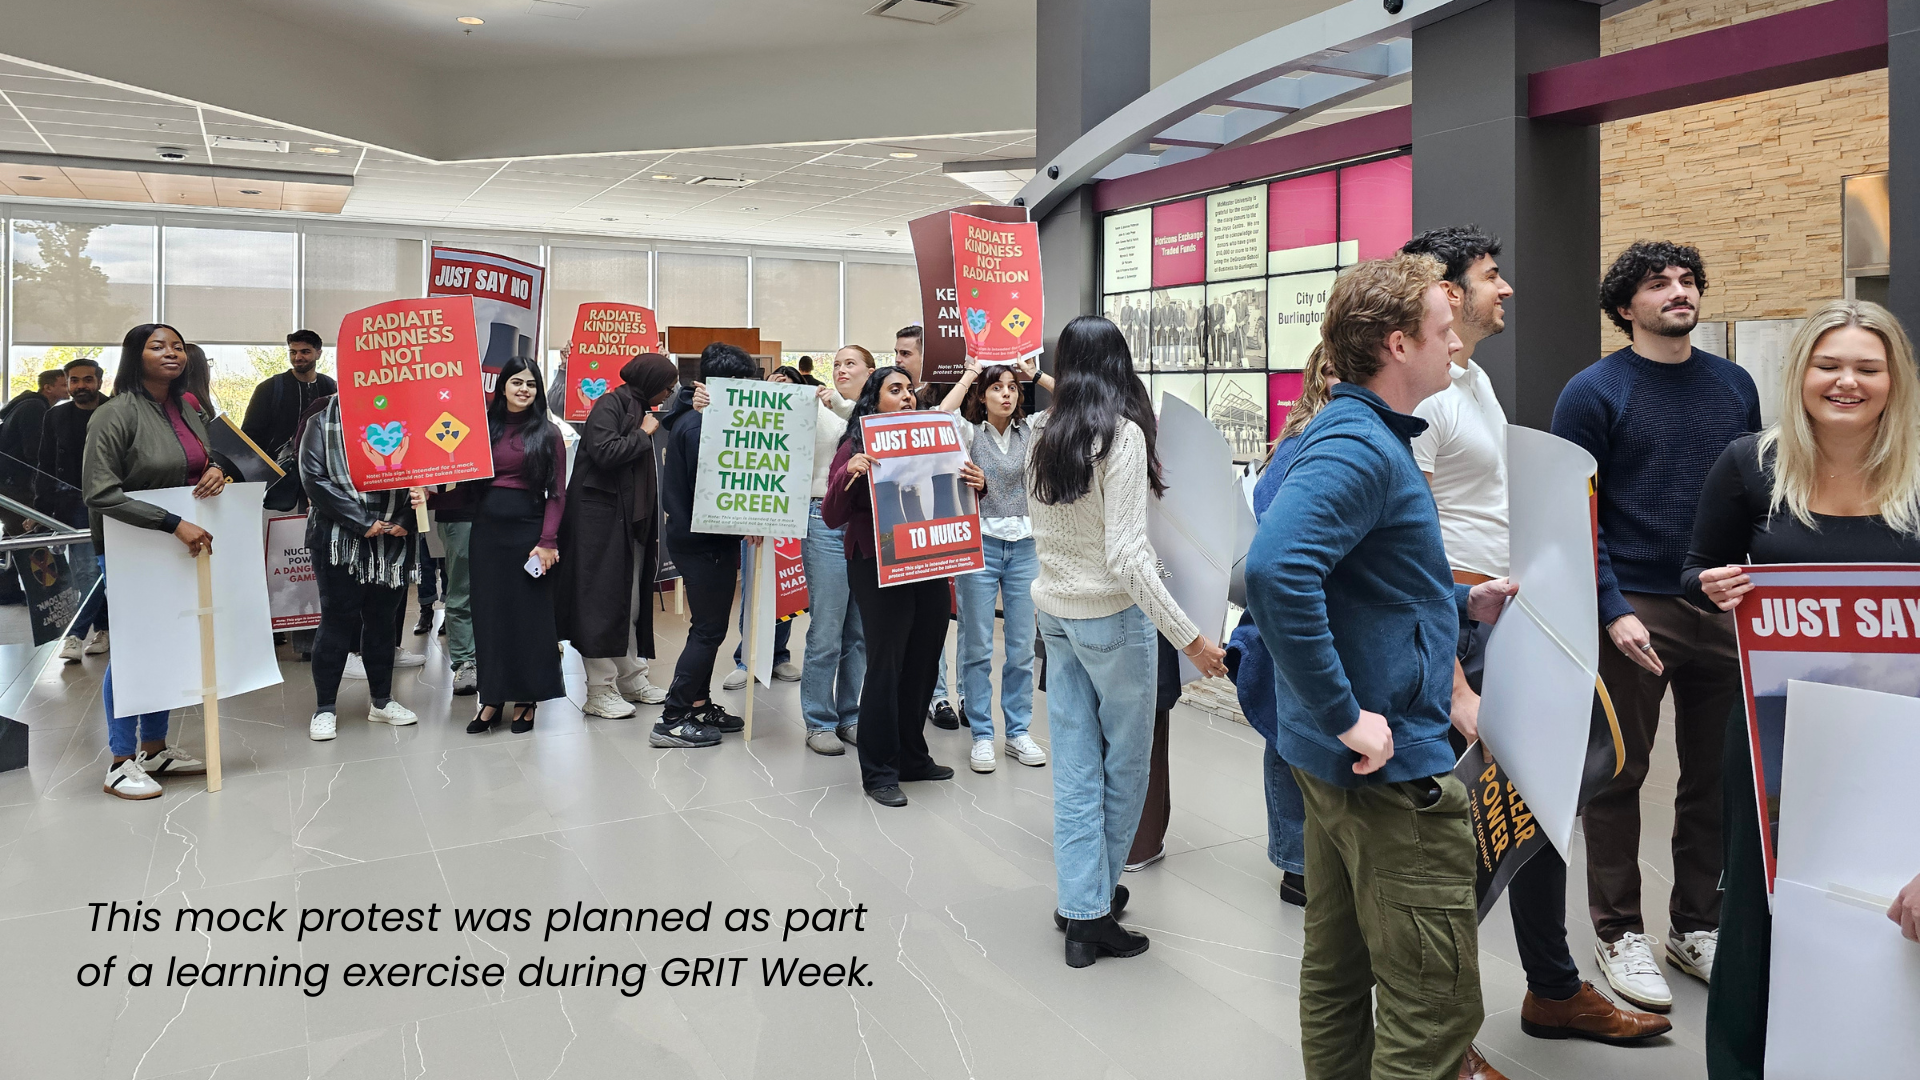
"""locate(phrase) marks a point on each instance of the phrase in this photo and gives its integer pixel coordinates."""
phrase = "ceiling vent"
(718, 181)
(925, 12)
(238, 142)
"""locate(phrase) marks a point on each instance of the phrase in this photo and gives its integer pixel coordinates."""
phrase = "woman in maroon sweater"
(516, 530)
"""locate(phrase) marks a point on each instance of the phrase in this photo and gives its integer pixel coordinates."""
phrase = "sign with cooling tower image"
(506, 303)
(926, 521)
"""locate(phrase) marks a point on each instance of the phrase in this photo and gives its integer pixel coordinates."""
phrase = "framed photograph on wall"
(1237, 326)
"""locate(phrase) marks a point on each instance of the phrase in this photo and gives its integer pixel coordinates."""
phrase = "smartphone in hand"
(534, 569)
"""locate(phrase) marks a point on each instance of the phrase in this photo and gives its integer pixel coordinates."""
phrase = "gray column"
(1903, 158)
(1090, 58)
(1478, 159)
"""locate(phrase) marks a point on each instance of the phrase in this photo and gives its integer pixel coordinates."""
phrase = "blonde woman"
(1835, 479)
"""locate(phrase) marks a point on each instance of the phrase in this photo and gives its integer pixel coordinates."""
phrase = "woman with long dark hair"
(905, 626)
(610, 537)
(1100, 597)
(148, 435)
(516, 542)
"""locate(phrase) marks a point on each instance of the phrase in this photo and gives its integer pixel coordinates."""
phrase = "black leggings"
(709, 580)
(906, 630)
(353, 616)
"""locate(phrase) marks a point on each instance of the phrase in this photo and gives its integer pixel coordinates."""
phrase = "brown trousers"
(1703, 669)
(1152, 834)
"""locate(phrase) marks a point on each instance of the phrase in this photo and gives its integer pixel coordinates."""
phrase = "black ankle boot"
(1088, 938)
(1120, 898)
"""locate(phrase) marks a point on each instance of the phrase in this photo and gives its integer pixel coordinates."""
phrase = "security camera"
(1393, 6)
(1053, 172)
(170, 153)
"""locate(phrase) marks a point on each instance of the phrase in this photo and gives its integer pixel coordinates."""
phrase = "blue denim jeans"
(1100, 714)
(782, 632)
(126, 733)
(940, 690)
(1011, 568)
(836, 658)
(1286, 816)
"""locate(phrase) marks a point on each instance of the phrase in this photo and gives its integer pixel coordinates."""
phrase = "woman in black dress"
(516, 532)
(1835, 479)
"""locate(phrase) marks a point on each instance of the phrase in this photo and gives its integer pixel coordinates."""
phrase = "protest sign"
(996, 276)
(1840, 624)
(926, 521)
(756, 458)
(944, 343)
(293, 594)
(1196, 525)
(790, 597)
(53, 597)
(506, 302)
(410, 396)
(605, 337)
(153, 581)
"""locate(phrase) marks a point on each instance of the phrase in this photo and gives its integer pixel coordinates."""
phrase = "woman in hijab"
(609, 540)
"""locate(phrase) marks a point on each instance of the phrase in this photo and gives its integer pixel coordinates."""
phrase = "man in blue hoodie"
(1349, 584)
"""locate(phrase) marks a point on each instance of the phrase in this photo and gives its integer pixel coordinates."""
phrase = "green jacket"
(131, 447)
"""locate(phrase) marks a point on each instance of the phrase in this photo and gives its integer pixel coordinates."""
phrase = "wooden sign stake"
(209, 680)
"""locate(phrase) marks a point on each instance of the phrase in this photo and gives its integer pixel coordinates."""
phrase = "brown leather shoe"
(1475, 1067)
(1588, 1014)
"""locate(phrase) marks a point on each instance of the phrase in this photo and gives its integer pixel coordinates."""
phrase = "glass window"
(797, 303)
(80, 283)
(229, 286)
(345, 273)
(578, 276)
(234, 370)
(701, 290)
(881, 299)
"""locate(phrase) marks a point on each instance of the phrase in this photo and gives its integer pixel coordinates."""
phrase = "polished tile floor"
(965, 966)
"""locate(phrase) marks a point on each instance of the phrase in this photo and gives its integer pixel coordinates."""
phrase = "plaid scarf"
(376, 560)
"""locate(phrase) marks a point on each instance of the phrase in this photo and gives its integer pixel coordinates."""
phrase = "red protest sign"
(605, 337)
(996, 276)
(410, 396)
(1843, 624)
(790, 596)
(926, 523)
(506, 302)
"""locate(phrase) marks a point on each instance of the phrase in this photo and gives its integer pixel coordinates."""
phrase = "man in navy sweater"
(1656, 416)
(1348, 582)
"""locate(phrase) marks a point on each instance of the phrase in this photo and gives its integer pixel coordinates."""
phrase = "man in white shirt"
(1463, 453)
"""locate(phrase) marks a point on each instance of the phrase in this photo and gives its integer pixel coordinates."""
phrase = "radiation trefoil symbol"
(448, 432)
(1016, 322)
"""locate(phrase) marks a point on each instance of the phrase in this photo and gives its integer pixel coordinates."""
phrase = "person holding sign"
(1835, 479)
(709, 564)
(1100, 596)
(999, 441)
(515, 544)
(905, 625)
(836, 656)
(362, 553)
(148, 435)
(609, 539)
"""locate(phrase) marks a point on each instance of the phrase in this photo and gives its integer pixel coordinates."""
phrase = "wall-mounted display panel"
(1236, 234)
(1296, 304)
(1180, 243)
(1128, 311)
(1283, 393)
(1237, 405)
(1303, 223)
(1237, 326)
(1179, 329)
(1127, 246)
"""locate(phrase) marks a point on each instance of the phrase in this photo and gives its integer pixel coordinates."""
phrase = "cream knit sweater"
(1095, 559)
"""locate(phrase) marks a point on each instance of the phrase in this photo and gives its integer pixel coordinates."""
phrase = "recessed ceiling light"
(663, 176)
(980, 202)
(903, 154)
(609, 219)
(249, 191)
(471, 20)
(33, 178)
(325, 149)
(749, 208)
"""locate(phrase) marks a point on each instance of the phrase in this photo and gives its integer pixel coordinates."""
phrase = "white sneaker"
(97, 644)
(70, 650)
(1632, 973)
(1024, 750)
(786, 671)
(403, 658)
(1693, 952)
(392, 713)
(640, 689)
(128, 780)
(607, 702)
(982, 758)
(735, 679)
(320, 728)
(172, 761)
(355, 669)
